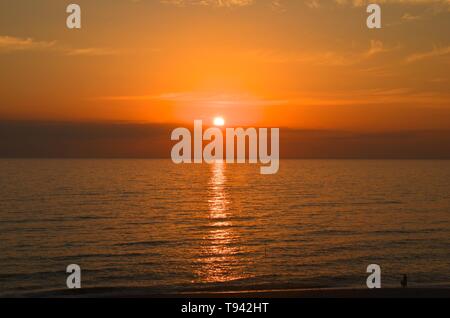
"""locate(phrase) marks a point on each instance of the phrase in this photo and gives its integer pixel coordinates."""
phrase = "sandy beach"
(251, 294)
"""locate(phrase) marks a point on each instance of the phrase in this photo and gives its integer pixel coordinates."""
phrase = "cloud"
(309, 3)
(215, 3)
(436, 52)
(314, 4)
(91, 52)
(376, 47)
(328, 58)
(359, 3)
(400, 95)
(212, 99)
(38, 139)
(220, 99)
(409, 17)
(439, 4)
(277, 5)
(10, 43)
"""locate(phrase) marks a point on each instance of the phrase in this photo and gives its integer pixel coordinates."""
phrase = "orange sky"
(300, 64)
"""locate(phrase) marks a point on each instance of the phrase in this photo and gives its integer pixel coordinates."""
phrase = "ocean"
(173, 228)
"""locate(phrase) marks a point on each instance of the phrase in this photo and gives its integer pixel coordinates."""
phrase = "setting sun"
(219, 121)
(275, 150)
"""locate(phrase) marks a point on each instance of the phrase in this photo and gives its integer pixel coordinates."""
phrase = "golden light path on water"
(221, 249)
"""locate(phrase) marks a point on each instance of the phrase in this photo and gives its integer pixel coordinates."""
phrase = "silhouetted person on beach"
(404, 281)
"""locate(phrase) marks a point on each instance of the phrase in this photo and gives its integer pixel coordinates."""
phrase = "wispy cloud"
(10, 43)
(216, 3)
(377, 47)
(212, 99)
(409, 17)
(361, 97)
(400, 95)
(312, 4)
(91, 52)
(279, 3)
(436, 52)
(359, 3)
(329, 58)
(438, 5)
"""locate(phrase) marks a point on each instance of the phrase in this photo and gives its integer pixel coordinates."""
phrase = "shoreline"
(420, 292)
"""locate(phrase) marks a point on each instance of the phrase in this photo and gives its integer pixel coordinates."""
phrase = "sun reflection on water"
(220, 261)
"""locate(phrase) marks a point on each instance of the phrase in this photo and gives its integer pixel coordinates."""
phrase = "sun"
(219, 121)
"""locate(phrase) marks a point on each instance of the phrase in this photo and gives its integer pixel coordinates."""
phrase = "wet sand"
(267, 294)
